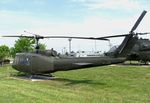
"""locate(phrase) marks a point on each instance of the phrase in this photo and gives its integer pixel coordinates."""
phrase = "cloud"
(6, 1)
(112, 4)
(91, 26)
(39, 2)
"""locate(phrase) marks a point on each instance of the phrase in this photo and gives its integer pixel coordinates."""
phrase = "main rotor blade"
(92, 38)
(18, 36)
(114, 36)
(41, 37)
(138, 21)
(143, 33)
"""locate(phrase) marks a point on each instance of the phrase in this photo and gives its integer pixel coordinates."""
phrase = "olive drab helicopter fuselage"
(140, 51)
(38, 63)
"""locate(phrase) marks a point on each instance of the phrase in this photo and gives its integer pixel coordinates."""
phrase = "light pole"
(95, 47)
(70, 39)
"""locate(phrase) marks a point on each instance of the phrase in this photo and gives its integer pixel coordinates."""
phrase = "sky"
(88, 18)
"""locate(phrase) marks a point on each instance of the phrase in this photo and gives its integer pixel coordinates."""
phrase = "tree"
(22, 45)
(4, 52)
(25, 45)
(42, 47)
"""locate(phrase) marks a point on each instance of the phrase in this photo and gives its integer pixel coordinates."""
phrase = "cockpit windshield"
(21, 60)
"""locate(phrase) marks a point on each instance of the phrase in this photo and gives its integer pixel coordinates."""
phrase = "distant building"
(88, 54)
(82, 54)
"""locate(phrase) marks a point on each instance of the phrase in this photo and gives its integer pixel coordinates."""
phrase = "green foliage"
(22, 45)
(4, 51)
(25, 45)
(106, 84)
(42, 47)
(12, 52)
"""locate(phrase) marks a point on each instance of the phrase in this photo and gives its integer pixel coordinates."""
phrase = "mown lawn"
(107, 84)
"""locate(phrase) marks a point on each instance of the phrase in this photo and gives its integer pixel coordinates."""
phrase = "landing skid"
(35, 77)
(41, 77)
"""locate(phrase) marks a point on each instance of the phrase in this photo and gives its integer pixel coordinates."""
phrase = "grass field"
(107, 84)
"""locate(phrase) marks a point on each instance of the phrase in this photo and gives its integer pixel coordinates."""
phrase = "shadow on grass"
(18, 74)
(68, 82)
(74, 82)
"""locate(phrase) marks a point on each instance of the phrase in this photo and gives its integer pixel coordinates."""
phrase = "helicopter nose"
(21, 63)
(15, 66)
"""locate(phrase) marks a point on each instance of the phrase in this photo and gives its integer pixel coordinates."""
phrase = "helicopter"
(141, 51)
(39, 63)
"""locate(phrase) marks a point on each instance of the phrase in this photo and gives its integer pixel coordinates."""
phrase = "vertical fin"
(124, 50)
(130, 40)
